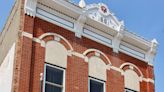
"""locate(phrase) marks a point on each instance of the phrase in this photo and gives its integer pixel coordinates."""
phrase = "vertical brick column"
(148, 86)
(150, 71)
(22, 67)
(143, 86)
(37, 66)
(151, 87)
(25, 68)
(76, 75)
(115, 81)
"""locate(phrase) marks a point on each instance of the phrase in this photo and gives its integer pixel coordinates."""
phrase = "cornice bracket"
(79, 24)
(152, 52)
(117, 39)
(30, 7)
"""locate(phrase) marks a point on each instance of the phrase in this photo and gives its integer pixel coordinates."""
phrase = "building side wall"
(6, 71)
(9, 35)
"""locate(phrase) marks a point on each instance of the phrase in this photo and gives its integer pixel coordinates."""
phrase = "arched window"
(97, 73)
(131, 79)
(56, 57)
(97, 68)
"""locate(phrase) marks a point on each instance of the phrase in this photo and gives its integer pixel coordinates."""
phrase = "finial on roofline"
(82, 3)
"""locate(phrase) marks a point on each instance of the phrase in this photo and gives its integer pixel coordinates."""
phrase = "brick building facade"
(58, 46)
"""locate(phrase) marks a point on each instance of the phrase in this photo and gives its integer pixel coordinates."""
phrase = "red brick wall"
(77, 69)
(115, 81)
(37, 66)
(76, 75)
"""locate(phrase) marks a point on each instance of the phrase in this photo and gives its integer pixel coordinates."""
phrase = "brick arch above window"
(127, 66)
(98, 63)
(57, 49)
(53, 36)
(94, 52)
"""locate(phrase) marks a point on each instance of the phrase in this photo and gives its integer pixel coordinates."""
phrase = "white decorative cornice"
(87, 22)
(30, 7)
(28, 35)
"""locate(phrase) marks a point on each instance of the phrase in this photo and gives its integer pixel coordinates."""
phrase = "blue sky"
(144, 17)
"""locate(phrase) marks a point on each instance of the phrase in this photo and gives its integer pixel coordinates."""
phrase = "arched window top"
(57, 37)
(56, 54)
(131, 79)
(95, 52)
(130, 65)
(97, 68)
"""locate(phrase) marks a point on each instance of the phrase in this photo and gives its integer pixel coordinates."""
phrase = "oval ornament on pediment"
(103, 9)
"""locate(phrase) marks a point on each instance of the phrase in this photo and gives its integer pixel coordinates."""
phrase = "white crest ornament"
(103, 9)
(100, 12)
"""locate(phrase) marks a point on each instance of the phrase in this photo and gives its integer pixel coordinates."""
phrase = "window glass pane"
(50, 88)
(54, 75)
(96, 86)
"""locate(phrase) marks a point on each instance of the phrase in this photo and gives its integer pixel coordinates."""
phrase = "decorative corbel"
(30, 7)
(117, 39)
(152, 52)
(79, 25)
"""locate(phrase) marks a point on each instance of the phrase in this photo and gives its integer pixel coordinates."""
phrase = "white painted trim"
(54, 34)
(96, 36)
(79, 24)
(116, 68)
(28, 35)
(131, 51)
(150, 64)
(69, 6)
(43, 43)
(97, 54)
(78, 55)
(54, 19)
(130, 64)
(30, 7)
(44, 81)
(36, 40)
(148, 80)
(64, 74)
(90, 50)
(132, 55)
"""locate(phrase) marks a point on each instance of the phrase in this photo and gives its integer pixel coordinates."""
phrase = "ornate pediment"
(100, 12)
